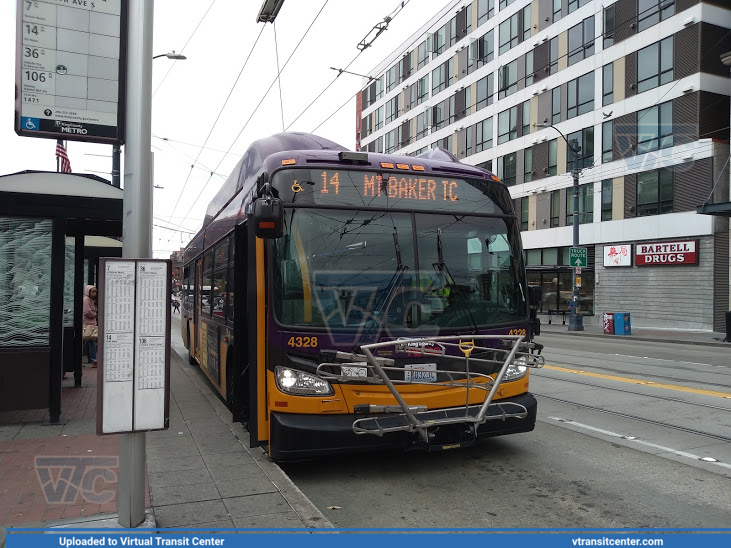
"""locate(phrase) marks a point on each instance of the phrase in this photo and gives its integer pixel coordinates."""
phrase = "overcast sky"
(189, 95)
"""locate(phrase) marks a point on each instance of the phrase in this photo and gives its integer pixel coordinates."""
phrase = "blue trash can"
(622, 324)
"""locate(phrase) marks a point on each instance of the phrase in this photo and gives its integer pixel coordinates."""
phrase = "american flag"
(63, 157)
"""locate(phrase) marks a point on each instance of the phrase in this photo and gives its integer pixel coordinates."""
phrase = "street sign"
(577, 255)
(578, 281)
(70, 68)
(578, 270)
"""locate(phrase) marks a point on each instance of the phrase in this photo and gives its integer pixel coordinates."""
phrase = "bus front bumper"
(301, 437)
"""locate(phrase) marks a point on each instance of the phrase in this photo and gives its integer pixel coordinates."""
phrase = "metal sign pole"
(137, 225)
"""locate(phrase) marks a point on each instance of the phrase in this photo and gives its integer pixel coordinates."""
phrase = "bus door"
(197, 310)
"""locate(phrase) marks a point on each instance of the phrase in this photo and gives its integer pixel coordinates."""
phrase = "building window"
(553, 55)
(555, 208)
(654, 192)
(655, 65)
(505, 3)
(524, 213)
(423, 122)
(608, 84)
(607, 141)
(655, 128)
(553, 157)
(556, 105)
(507, 125)
(525, 115)
(393, 138)
(485, 10)
(445, 143)
(486, 165)
(508, 34)
(484, 91)
(483, 135)
(609, 26)
(392, 109)
(393, 77)
(422, 89)
(607, 200)
(557, 7)
(482, 51)
(576, 4)
(651, 12)
(442, 77)
(526, 22)
(452, 31)
(439, 41)
(376, 146)
(507, 76)
(506, 168)
(581, 40)
(422, 55)
(585, 139)
(379, 117)
(529, 70)
(528, 164)
(586, 205)
(580, 95)
(443, 113)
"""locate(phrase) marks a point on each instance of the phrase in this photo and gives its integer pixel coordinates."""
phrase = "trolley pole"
(136, 226)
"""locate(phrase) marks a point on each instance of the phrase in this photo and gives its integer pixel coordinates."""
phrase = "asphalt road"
(623, 426)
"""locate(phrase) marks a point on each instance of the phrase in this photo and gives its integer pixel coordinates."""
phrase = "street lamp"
(116, 150)
(172, 55)
(576, 320)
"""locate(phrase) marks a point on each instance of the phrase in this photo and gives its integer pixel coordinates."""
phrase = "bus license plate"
(420, 372)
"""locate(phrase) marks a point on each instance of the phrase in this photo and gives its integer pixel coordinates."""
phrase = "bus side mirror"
(535, 294)
(268, 218)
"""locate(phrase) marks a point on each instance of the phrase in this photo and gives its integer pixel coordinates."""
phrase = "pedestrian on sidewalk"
(90, 323)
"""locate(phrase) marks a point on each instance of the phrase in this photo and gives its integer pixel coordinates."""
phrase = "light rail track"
(666, 398)
(719, 437)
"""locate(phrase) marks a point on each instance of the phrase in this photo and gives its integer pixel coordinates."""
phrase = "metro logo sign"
(667, 253)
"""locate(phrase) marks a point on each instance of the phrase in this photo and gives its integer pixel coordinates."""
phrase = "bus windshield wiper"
(385, 302)
(441, 267)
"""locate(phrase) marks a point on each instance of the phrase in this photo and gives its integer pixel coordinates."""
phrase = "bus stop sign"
(577, 255)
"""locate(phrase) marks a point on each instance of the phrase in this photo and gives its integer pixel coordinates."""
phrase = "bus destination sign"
(70, 69)
(385, 189)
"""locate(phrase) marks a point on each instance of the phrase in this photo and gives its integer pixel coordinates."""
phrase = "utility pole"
(136, 226)
(576, 320)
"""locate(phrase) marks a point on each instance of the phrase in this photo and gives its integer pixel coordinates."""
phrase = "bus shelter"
(53, 229)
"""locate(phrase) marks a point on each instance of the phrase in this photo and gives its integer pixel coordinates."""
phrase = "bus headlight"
(516, 370)
(299, 383)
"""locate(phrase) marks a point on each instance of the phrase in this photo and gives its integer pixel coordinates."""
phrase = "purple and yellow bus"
(345, 301)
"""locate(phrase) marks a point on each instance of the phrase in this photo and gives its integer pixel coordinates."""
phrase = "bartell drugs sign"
(667, 253)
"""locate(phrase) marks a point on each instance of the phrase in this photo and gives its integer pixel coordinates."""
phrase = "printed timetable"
(68, 69)
(134, 339)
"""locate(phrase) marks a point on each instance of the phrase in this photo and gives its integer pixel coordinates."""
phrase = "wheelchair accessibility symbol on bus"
(296, 187)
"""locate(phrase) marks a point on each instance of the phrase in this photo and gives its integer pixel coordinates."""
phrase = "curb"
(310, 515)
(719, 344)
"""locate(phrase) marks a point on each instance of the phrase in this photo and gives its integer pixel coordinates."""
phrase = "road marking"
(676, 387)
(641, 442)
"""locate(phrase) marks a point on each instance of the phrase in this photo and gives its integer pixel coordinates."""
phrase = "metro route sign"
(577, 256)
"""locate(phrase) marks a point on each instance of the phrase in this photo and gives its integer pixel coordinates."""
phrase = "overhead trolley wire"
(205, 185)
(216, 121)
(184, 46)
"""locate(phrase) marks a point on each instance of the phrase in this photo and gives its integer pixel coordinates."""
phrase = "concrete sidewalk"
(202, 472)
(648, 334)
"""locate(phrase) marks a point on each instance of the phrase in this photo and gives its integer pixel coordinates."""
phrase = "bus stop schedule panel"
(134, 345)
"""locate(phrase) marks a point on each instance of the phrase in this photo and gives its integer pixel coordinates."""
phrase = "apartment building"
(638, 85)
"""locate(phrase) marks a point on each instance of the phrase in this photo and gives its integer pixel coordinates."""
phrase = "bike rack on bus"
(403, 417)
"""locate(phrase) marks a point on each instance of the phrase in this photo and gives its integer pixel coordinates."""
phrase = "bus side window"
(205, 287)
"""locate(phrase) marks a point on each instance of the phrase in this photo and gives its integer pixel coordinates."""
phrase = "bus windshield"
(345, 270)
